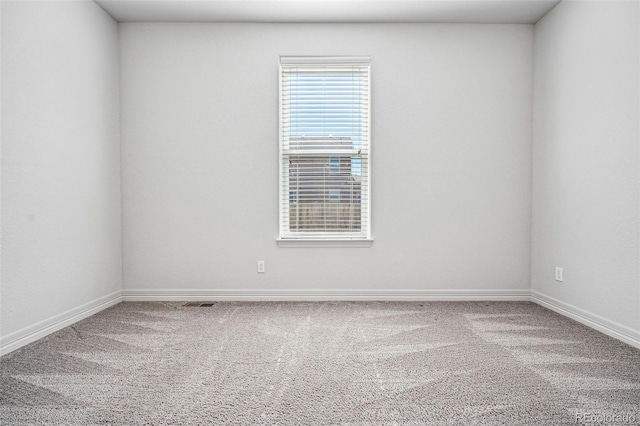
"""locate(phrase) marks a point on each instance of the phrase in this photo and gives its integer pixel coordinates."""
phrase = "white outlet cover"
(559, 274)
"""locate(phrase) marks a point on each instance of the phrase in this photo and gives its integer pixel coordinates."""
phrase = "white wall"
(451, 157)
(586, 160)
(61, 243)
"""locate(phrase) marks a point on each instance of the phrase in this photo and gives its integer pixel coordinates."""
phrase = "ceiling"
(433, 11)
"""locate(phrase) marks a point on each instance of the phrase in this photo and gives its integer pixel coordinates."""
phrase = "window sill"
(301, 243)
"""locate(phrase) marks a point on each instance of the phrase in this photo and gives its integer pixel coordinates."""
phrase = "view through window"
(324, 146)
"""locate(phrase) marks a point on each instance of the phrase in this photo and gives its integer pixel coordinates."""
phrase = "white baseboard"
(603, 325)
(143, 295)
(41, 329)
(610, 328)
(32, 333)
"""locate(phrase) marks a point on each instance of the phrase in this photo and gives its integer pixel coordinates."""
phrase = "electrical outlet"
(559, 274)
(261, 266)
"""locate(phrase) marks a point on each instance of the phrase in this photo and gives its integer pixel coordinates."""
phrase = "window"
(324, 148)
(334, 195)
(334, 164)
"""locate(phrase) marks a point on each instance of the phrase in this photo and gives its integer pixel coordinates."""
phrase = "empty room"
(319, 212)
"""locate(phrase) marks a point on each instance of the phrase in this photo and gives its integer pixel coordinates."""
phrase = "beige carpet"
(323, 363)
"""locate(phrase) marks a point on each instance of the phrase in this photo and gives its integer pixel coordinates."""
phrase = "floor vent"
(199, 304)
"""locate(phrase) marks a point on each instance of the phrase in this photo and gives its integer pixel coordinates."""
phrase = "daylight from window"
(325, 139)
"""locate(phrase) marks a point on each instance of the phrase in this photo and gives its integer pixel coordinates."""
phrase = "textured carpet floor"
(508, 363)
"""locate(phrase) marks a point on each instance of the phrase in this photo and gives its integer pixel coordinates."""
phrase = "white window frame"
(300, 240)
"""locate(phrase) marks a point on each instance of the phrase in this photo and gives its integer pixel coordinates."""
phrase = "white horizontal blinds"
(324, 146)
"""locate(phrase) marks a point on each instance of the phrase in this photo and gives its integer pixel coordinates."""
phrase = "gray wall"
(452, 196)
(451, 162)
(586, 169)
(60, 160)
